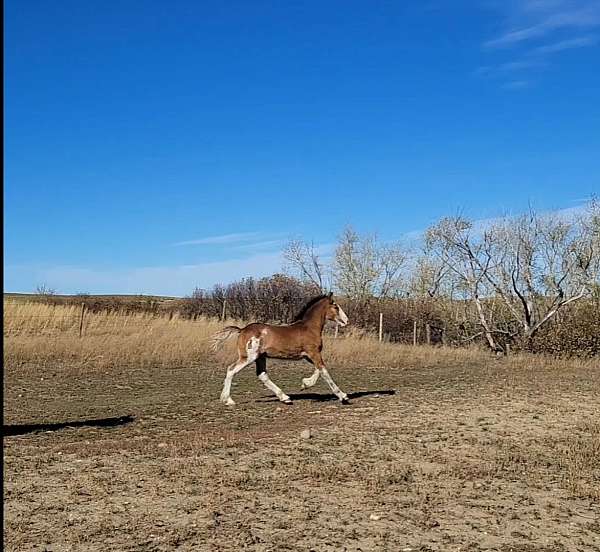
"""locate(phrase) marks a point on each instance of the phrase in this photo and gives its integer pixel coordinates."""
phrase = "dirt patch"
(439, 457)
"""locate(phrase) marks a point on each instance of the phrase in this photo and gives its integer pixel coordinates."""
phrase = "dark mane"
(308, 305)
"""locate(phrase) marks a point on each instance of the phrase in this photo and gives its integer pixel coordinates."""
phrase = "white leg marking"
(270, 385)
(336, 390)
(231, 371)
(309, 382)
(252, 348)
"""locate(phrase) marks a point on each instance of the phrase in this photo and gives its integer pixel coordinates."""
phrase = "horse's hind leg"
(232, 371)
(261, 372)
(246, 357)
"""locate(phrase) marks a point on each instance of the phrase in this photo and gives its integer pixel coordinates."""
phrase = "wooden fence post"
(81, 319)
(337, 327)
(414, 332)
(224, 313)
(428, 333)
(380, 327)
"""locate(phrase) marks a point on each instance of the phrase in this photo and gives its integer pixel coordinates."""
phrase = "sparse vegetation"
(468, 445)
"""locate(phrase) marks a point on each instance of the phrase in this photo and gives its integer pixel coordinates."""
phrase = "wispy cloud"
(260, 245)
(521, 65)
(516, 85)
(533, 21)
(510, 67)
(480, 225)
(546, 18)
(182, 279)
(248, 259)
(222, 239)
(569, 44)
(175, 280)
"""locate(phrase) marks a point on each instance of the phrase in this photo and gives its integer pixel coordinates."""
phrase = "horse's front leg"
(310, 381)
(316, 358)
(261, 372)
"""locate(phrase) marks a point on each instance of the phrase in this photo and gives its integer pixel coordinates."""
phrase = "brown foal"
(301, 340)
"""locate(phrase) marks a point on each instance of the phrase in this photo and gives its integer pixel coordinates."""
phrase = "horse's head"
(335, 312)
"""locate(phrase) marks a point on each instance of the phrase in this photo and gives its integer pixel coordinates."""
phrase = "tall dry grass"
(40, 334)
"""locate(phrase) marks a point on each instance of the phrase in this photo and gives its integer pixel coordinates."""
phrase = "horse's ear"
(330, 294)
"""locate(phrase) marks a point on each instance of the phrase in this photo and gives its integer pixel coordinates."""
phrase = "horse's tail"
(217, 339)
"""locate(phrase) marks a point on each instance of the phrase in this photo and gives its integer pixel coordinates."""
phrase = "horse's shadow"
(326, 397)
(22, 429)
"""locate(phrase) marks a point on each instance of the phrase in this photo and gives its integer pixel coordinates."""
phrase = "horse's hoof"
(287, 401)
(345, 400)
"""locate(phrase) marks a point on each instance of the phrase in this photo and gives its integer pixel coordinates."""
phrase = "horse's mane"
(308, 305)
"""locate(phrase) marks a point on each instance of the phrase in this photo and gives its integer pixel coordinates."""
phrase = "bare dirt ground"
(483, 455)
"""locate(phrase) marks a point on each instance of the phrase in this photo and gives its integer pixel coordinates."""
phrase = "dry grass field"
(117, 441)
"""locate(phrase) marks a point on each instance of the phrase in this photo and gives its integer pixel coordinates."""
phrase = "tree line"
(528, 282)
(516, 282)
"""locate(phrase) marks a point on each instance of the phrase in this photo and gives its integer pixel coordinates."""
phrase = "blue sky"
(152, 147)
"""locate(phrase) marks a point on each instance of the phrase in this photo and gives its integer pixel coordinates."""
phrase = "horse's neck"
(315, 317)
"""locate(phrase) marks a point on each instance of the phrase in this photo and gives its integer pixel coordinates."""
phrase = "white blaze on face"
(341, 318)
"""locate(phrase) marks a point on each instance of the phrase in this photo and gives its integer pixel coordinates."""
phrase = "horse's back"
(276, 341)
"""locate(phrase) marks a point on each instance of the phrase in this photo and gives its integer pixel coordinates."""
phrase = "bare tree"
(364, 267)
(467, 257)
(302, 259)
(429, 277)
(534, 265)
(544, 263)
(44, 290)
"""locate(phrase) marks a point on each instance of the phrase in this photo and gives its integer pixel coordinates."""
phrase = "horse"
(302, 339)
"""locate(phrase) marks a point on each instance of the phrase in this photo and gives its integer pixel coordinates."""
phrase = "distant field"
(441, 449)
(28, 297)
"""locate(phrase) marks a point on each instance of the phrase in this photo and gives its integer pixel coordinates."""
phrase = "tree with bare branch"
(303, 260)
(364, 267)
(467, 256)
(535, 265)
(544, 263)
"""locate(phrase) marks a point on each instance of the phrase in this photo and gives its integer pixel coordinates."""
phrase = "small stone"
(162, 445)
(305, 434)
(374, 517)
